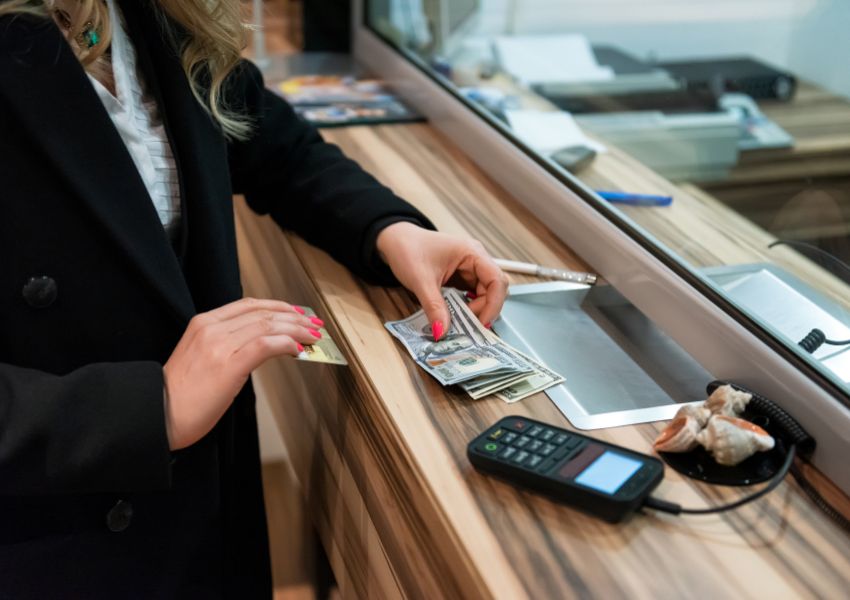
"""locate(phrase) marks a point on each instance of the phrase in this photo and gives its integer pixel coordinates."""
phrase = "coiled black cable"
(792, 433)
(817, 338)
(813, 340)
(798, 441)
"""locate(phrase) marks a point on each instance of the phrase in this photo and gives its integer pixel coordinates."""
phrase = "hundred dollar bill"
(463, 353)
(517, 387)
(510, 389)
(491, 379)
(495, 385)
(459, 310)
(471, 355)
(491, 382)
(324, 350)
(543, 379)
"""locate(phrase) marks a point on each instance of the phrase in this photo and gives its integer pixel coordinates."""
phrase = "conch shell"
(680, 435)
(732, 440)
(728, 401)
(699, 412)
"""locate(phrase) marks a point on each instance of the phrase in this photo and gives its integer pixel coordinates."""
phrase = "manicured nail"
(314, 333)
(437, 330)
(298, 309)
(299, 346)
(317, 321)
(471, 295)
(488, 326)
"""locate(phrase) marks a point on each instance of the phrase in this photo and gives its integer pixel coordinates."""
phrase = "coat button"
(119, 516)
(40, 292)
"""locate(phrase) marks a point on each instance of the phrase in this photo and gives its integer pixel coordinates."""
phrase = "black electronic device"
(735, 74)
(602, 479)
(668, 102)
(574, 158)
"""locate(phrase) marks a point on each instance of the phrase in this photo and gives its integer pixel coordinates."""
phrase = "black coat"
(93, 299)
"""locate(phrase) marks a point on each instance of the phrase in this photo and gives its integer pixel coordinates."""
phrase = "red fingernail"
(471, 295)
(489, 326)
(299, 346)
(437, 330)
(314, 333)
(298, 309)
(317, 321)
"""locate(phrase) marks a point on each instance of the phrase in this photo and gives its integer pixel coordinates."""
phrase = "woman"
(128, 447)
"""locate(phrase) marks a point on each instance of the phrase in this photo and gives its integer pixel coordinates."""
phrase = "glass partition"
(716, 131)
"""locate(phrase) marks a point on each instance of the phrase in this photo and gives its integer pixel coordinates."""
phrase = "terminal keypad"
(530, 445)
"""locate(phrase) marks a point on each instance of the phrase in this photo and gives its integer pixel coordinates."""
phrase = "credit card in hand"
(324, 350)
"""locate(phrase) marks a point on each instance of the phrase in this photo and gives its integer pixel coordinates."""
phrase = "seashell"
(728, 401)
(680, 435)
(731, 440)
(697, 411)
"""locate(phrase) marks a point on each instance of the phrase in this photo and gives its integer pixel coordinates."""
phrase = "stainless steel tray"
(788, 306)
(620, 369)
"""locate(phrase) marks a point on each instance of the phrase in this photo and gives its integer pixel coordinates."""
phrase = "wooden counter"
(379, 447)
(819, 122)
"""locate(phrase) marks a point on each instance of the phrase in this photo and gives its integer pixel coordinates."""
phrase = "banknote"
(544, 378)
(509, 388)
(471, 355)
(324, 350)
(489, 387)
(463, 353)
(512, 390)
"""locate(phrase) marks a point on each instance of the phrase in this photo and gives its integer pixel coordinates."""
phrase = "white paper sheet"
(562, 58)
(548, 131)
(408, 17)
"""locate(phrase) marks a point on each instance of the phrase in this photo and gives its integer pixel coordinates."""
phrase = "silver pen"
(541, 271)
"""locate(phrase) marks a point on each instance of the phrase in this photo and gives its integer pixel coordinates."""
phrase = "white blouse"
(134, 112)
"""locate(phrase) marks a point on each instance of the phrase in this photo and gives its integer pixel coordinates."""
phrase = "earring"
(89, 36)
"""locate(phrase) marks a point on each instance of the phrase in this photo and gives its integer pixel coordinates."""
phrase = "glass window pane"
(719, 129)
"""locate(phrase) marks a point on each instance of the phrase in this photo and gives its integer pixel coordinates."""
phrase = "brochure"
(334, 101)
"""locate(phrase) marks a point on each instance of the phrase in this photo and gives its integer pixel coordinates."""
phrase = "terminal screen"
(608, 472)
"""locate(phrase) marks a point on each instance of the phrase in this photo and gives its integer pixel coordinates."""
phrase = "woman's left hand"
(424, 261)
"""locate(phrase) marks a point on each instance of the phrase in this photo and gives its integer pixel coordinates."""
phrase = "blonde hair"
(208, 55)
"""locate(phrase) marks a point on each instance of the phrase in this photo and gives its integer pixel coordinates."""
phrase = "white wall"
(808, 37)
(820, 46)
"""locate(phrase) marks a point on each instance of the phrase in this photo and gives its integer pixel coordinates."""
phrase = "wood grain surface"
(379, 447)
(819, 122)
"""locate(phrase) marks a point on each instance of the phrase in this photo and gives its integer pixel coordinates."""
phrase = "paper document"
(562, 58)
(408, 18)
(549, 131)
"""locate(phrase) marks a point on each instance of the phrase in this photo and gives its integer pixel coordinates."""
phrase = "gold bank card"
(324, 350)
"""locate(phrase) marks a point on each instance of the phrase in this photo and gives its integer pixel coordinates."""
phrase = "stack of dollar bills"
(471, 355)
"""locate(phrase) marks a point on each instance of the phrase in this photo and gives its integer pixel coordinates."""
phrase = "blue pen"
(636, 199)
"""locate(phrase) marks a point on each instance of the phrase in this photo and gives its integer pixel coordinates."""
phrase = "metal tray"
(788, 306)
(619, 368)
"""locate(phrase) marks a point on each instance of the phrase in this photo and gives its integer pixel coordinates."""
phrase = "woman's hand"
(215, 357)
(423, 261)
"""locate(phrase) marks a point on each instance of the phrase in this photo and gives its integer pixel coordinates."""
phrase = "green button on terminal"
(491, 446)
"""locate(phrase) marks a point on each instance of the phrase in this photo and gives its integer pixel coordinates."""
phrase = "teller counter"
(378, 447)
